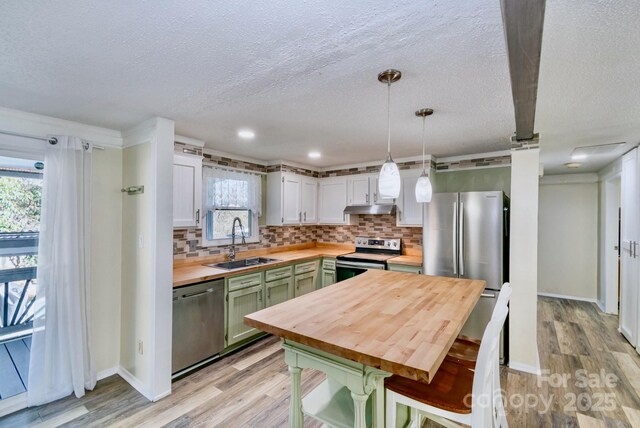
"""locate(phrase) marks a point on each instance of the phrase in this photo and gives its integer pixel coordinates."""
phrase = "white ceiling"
(589, 88)
(302, 75)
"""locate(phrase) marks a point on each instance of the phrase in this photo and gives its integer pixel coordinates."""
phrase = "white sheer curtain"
(232, 189)
(61, 361)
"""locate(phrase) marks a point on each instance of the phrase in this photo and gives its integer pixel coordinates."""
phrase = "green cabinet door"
(305, 283)
(328, 277)
(242, 302)
(278, 291)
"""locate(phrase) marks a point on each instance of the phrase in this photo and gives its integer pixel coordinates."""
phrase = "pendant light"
(424, 191)
(389, 181)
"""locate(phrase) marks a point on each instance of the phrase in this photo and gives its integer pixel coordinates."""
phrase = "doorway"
(20, 198)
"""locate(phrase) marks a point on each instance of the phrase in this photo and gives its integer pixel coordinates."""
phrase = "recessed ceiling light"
(578, 157)
(314, 155)
(246, 134)
(573, 164)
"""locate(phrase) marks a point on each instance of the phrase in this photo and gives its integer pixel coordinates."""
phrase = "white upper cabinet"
(363, 190)
(373, 191)
(309, 200)
(291, 199)
(409, 211)
(291, 207)
(358, 190)
(332, 201)
(187, 190)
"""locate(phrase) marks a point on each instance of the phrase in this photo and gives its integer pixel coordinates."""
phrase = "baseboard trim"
(525, 368)
(564, 296)
(135, 382)
(162, 395)
(601, 306)
(103, 374)
(13, 404)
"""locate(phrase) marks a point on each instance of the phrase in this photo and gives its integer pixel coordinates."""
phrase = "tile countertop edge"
(192, 274)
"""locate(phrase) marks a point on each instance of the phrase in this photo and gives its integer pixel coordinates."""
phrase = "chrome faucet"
(232, 250)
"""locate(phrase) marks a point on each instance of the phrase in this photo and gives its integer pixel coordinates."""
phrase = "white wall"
(523, 345)
(106, 258)
(568, 237)
(147, 234)
(136, 263)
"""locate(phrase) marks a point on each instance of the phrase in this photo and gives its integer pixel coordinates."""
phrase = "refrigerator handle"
(461, 238)
(455, 239)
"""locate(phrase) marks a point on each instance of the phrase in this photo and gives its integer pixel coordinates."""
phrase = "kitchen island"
(364, 329)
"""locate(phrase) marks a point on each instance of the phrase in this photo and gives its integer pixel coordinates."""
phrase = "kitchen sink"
(237, 264)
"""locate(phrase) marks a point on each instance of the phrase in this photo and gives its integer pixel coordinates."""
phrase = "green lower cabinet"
(405, 268)
(240, 303)
(278, 291)
(304, 283)
(328, 277)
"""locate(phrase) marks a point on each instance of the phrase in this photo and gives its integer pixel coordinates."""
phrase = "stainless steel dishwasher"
(198, 323)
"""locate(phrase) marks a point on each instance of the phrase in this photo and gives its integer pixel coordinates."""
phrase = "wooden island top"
(401, 323)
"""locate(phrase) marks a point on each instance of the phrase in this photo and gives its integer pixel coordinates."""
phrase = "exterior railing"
(17, 297)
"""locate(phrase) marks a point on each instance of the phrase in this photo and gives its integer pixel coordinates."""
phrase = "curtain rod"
(50, 140)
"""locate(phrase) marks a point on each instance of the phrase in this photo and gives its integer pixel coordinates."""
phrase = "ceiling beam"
(523, 21)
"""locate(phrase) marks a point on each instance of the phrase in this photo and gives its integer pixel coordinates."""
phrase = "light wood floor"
(251, 387)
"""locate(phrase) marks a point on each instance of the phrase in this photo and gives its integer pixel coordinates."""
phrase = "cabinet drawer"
(306, 267)
(279, 273)
(329, 264)
(243, 281)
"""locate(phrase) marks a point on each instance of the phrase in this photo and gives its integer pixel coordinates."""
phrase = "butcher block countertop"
(398, 322)
(186, 273)
(406, 260)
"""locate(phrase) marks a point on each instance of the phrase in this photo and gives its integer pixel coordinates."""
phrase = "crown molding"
(35, 124)
(188, 140)
(214, 152)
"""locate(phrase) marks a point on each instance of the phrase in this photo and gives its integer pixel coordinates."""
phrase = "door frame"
(611, 187)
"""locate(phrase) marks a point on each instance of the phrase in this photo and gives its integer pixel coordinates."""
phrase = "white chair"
(465, 349)
(456, 395)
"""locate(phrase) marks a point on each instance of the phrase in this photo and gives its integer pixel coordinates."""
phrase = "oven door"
(346, 269)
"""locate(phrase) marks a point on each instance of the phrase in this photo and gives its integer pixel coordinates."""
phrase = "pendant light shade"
(389, 180)
(424, 190)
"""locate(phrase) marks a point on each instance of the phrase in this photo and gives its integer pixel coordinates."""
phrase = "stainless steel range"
(371, 253)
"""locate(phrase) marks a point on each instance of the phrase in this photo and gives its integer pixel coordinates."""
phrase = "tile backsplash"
(270, 237)
(382, 226)
(375, 226)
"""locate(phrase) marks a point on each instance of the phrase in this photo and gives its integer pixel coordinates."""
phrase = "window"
(220, 223)
(227, 195)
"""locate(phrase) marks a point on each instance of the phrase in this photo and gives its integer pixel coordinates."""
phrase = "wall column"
(523, 343)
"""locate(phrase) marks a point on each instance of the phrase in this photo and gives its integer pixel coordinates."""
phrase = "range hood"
(371, 209)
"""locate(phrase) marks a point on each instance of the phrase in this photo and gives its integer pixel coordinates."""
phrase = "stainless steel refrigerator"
(468, 237)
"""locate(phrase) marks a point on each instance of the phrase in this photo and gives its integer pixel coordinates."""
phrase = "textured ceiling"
(589, 89)
(302, 75)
